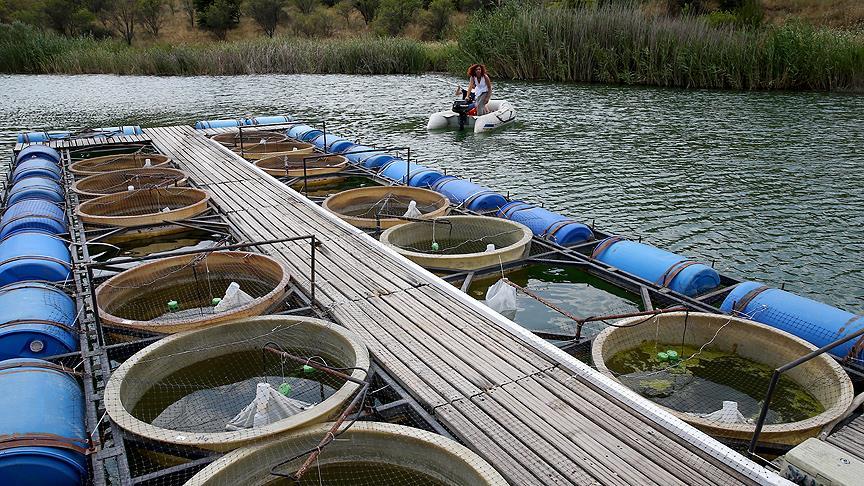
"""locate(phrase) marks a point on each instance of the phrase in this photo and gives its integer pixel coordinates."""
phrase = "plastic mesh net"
(249, 137)
(123, 180)
(146, 202)
(456, 235)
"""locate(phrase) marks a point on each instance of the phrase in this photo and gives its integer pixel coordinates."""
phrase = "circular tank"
(38, 151)
(40, 188)
(37, 167)
(276, 165)
(142, 297)
(41, 403)
(367, 207)
(119, 181)
(108, 163)
(33, 256)
(38, 321)
(144, 207)
(135, 397)
(821, 377)
(262, 150)
(419, 455)
(462, 242)
(33, 215)
(249, 137)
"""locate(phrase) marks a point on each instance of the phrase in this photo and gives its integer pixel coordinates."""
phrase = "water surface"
(768, 185)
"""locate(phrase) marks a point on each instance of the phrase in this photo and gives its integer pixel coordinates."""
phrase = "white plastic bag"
(269, 406)
(234, 297)
(729, 414)
(502, 299)
(412, 211)
(489, 248)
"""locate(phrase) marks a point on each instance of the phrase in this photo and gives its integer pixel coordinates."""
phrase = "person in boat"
(480, 86)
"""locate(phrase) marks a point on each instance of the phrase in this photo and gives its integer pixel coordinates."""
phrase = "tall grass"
(621, 45)
(24, 49)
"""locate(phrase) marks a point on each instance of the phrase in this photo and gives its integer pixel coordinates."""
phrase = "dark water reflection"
(770, 185)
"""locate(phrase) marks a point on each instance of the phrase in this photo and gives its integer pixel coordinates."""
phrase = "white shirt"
(480, 87)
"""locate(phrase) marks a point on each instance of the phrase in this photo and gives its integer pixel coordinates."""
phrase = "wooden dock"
(537, 415)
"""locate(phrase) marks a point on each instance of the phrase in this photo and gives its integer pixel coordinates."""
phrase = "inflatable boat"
(500, 113)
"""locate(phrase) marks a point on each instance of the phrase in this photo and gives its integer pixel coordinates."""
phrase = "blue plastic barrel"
(311, 135)
(37, 167)
(37, 151)
(326, 141)
(340, 146)
(41, 402)
(298, 131)
(33, 215)
(33, 256)
(35, 188)
(38, 321)
(813, 321)
(270, 120)
(377, 161)
(659, 266)
(546, 224)
(469, 195)
(38, 137)
(355, 158)
(199, 125)
(421, 176)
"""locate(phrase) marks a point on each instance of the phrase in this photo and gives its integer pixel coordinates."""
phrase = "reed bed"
(620, 45)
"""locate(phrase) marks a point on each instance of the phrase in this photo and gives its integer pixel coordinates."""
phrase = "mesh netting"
(186, 292)
(144, 206)
(386, 206)
(292, 164)
(108, 163)
(249, 137)
(457, 235)
(714, 372)
(262, 150)
(122, 180)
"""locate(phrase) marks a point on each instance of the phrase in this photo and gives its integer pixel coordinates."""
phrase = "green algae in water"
(206, 395)
(359, 473)
(701, 384)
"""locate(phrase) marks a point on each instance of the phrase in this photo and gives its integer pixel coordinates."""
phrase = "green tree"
(266, 13)
(367, 9)
(218, 16)
(344, 9)
(153, 14)
(188, 7)
(394, 15)
(436, 19)
(306, 7)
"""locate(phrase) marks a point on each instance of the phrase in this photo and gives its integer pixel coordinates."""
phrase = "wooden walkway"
(850, 437)
(537, 416)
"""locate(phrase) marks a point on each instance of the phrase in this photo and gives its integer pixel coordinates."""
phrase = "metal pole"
(312, 272)
(305, 182)
(240, 131)
(764, 412)
(408, 169)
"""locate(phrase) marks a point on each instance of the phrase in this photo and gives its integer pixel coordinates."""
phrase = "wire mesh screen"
(108, 163)
(714, 372)
(130, 179)
(144, 202)
(457, 235)
(249, 137)
(185, 292)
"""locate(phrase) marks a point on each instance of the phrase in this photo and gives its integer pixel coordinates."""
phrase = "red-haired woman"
(481, 86)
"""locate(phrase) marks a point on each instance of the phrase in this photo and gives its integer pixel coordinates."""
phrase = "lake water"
(768, 185)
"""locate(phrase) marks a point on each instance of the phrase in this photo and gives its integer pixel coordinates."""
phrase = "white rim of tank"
(224, 441)
(218, 472)
(829, 414)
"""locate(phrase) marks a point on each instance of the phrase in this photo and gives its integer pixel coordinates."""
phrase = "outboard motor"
(462, 107)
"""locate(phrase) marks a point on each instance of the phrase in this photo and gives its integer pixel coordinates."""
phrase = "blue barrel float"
(42, 425)
(35, 188)
(365, 152)
(39, 137)
(341, 146)
(33, 256)
(664, 268)
(121, 130)
(325, 141)
(239, 122)
(298, 131)
(37, 151)
(421, 176)
(546, 224)
(37, 167)
(468, 195)
(376, 161)
(270, 120)
(33, 215)
(38, 321)
(813, 321)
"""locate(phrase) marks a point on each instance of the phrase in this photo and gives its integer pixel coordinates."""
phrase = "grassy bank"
(606, 45)
(623, 46)
(25, 49)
